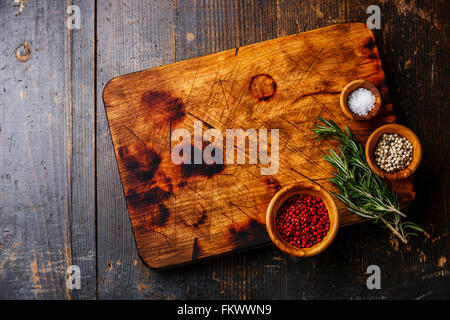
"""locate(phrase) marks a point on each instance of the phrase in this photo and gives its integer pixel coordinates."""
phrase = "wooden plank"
(80, 92)
(419, 89)
(140, 281)
(46, 180)
(189, 212)
(130, 37)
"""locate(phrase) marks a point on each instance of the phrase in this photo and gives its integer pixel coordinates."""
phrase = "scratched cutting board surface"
(182, 213)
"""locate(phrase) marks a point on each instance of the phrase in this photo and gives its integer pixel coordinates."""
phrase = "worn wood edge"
(355, 24)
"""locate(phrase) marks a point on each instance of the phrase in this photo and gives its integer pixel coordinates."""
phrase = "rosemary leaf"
(360, 189)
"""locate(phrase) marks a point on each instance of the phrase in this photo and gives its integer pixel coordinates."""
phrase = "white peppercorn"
(393, 152)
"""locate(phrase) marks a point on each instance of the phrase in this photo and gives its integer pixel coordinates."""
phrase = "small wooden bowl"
(306, 188)
(352, 86)
(404, 132)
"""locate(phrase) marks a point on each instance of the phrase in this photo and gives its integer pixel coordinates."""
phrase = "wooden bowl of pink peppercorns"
(293, 214)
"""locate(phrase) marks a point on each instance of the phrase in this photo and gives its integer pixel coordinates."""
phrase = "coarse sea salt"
(361, 101)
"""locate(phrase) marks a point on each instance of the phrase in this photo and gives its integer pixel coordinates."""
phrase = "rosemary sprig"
(360, 189)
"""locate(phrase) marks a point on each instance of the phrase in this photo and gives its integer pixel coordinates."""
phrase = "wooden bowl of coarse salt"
(360, 100)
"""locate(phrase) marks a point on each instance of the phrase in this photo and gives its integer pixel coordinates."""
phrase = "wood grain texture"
(47, 193)
(183, 213)
(80, 119)
(413, 43)
(118, 260)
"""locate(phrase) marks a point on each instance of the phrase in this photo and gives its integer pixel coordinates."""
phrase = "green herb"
(360, 189)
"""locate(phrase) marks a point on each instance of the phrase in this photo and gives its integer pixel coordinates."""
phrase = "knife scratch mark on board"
(204, 122)
(236, 206)
(315, 59)
(223, 92)
(193, 81)
(135, 135)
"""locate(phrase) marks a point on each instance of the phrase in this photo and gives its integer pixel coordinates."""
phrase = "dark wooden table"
(61, 200)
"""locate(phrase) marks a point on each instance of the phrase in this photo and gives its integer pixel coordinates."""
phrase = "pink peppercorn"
(303, 221)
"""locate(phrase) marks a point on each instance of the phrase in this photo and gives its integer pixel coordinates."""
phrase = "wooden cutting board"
(182, 213)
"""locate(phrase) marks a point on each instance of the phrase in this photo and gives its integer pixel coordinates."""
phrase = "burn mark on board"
(162, 102)
(152, 186)
(370, 44)
(251, 233)
(272, 183)
(151, 200)
(142, 200)
(140, 161)
(200, 221)
(191, 169)
(163, 215)
(366, 48)
(263, 87)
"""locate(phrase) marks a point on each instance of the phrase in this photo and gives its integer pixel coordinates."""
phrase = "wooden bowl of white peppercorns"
(393, 152)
